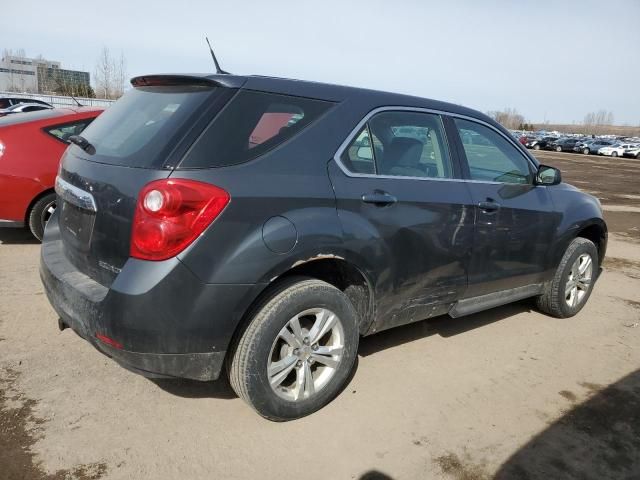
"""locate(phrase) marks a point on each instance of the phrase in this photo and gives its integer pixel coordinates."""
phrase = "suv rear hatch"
(137, 140)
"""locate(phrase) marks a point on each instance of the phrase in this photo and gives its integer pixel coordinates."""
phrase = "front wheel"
(558, 149)
(585, 151)
(298, 350)
(568, 291)
(40, 214)
(536, 147)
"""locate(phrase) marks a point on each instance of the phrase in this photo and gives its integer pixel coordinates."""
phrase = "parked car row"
(586, 145)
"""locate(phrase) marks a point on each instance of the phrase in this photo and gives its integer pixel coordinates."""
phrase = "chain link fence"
(61, 101)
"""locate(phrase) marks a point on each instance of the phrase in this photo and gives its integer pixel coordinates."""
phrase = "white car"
(615, 150)
(633, 152)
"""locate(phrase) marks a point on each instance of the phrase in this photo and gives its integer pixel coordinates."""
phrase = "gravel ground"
(507, 393)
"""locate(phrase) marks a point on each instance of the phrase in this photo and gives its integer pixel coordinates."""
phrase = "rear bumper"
(195, 366)
(166, 321)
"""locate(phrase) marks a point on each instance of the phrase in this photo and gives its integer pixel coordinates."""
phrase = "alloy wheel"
(579, 280)
(305, 355)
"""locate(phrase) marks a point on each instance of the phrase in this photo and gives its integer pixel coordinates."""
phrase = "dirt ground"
(507, 394)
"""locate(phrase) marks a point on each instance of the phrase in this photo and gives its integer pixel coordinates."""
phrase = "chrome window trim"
(74, 195)
(344, 145)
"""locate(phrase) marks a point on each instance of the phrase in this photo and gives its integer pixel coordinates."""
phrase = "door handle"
(489, 207)
(379, 198)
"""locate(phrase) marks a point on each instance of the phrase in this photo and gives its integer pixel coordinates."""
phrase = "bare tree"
(120, 75)
(110, 75)
(595, 122)
(508, 118)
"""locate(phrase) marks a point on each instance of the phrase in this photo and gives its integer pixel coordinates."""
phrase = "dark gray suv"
(264, 225)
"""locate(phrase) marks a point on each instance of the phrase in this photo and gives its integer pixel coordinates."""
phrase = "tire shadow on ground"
(395, 337)
(444, 326)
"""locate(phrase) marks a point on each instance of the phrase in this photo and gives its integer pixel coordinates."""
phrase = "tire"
(262, 346)
(558, 149)
(614, 154)
(586, 151)
(560, 301)
(638, 156)
(536, 147)
(40, 213)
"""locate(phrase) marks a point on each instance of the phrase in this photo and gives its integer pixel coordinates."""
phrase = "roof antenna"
(215, 60)
(76, 100)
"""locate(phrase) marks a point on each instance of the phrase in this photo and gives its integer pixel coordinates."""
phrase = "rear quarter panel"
(30, 163)
(27, 168)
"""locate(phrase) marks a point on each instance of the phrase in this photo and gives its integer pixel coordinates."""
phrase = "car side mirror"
(547, 175)
(365, 153)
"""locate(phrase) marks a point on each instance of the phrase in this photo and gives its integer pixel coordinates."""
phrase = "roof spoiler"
(172, 80)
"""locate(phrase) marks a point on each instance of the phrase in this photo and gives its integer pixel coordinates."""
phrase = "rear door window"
(251, 124)
(358, 157)
(412, 145)
(400, 144)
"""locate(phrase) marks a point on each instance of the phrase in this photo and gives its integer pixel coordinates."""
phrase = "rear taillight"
(172, 213)
(1, 149)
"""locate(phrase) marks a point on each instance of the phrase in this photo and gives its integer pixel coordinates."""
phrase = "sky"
(550, 60)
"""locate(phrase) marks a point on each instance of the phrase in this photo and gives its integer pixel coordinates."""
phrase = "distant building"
(37, 75)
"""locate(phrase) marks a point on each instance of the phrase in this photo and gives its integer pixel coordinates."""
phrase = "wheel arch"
(596, 232)
(335, 270)
(34, 200)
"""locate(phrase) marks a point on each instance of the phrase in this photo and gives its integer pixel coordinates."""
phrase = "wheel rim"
(305, 355)
(579, 280)
(47, 211)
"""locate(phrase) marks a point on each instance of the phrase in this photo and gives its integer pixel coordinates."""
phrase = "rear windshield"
(141, 128)
(250, 125)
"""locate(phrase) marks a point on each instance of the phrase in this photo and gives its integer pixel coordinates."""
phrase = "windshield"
(140, 129)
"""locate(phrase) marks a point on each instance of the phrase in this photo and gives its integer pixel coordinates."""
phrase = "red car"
(31, 145)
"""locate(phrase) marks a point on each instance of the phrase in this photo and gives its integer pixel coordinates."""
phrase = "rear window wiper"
(82, 142)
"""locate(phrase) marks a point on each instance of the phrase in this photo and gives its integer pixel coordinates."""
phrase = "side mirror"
(365, 153)
(547, 175)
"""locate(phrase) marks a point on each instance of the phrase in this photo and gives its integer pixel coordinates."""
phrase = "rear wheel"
(585, 151)
(536, 147)
(40, 214)
(571, 286)
(614, 154)
(298, 351)
(558, 148)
